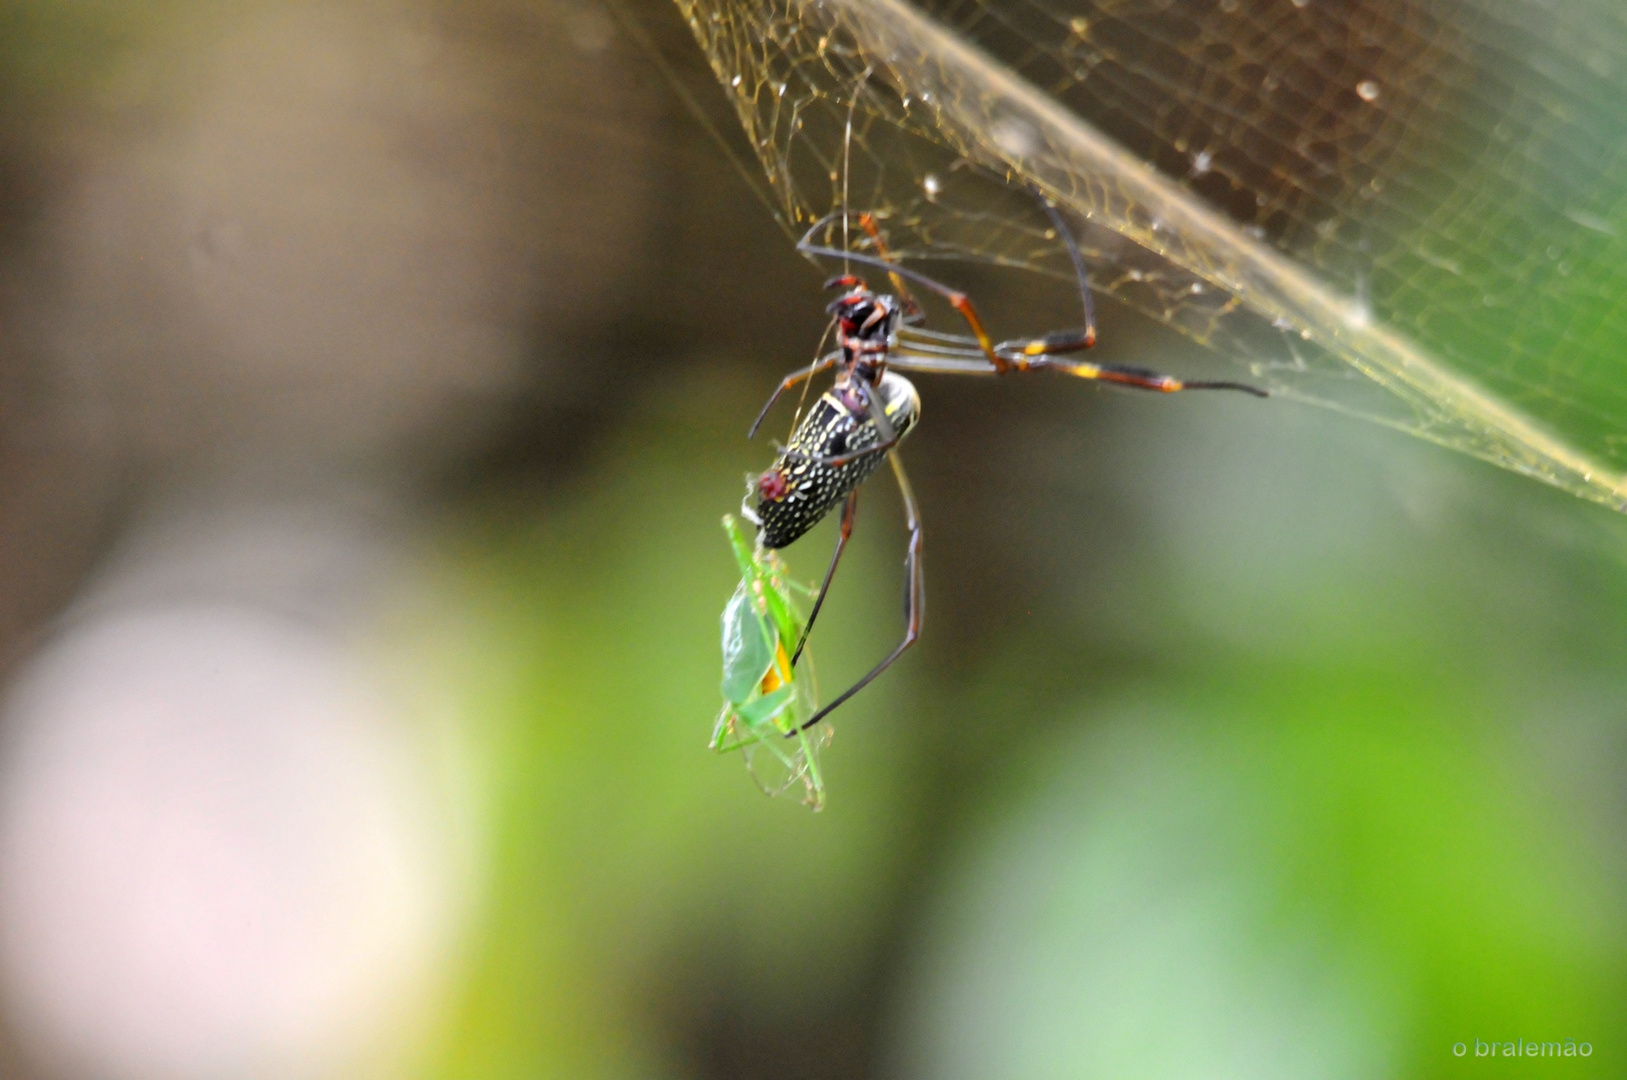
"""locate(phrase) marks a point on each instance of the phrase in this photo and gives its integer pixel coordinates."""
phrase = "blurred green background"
(1243, 739)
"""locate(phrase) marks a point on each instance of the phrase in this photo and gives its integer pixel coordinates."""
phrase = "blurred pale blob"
(228, 847)
(1119, 928)
(1302, 895)
(279, 256)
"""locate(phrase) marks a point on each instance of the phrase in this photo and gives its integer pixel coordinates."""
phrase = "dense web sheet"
(1413, 211)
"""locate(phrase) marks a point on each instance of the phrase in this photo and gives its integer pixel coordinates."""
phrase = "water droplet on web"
(735, 81)
(1016, 137)
(1139, 241)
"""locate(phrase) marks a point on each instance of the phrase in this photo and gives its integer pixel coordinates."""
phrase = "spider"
(869, 408)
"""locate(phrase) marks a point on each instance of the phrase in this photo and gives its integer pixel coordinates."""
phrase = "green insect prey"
(765, 701)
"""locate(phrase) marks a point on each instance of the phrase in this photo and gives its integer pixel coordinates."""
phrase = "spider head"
(861, 313)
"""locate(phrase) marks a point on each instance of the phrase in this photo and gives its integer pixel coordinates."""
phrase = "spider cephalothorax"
(865, 321)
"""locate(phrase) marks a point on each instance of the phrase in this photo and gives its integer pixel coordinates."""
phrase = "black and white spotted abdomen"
(810, 487)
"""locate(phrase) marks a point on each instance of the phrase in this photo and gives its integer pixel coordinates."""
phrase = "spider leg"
(913, 312)
(921, 339)
(1140, 378)
(1143, 379)
(914, 594)
(1060, 341)
(954, 354)
(878, 415)
(941, 365)
(840, 459)
(958, 300)
(824, 363)
(1087, 336)
(947, 361)
(849, 511)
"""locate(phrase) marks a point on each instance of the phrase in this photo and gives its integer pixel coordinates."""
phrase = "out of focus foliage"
(1241, 739)
(1308, 767)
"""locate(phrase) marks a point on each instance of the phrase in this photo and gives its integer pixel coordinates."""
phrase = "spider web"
(1411, 210)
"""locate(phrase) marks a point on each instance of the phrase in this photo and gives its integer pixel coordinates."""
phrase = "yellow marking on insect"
(779, 673)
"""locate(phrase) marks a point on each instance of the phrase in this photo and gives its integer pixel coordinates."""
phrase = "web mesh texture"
(1412, 211)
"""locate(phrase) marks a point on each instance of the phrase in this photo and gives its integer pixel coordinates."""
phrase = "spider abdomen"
(800, 488)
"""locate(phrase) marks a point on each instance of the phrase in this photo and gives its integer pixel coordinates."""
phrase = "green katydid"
(765, 700)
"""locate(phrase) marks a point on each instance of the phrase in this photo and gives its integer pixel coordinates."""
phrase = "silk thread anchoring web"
(1410, 211)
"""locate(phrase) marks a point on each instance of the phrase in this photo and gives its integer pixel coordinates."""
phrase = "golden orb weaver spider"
(870, 407)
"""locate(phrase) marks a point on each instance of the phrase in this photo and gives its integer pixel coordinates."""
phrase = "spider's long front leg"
(1143, 379)
(796, 378)
(914, 594)
(967, 363)
(849, 511)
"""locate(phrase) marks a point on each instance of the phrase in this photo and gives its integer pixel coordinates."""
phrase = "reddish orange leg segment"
(912, 308)
(963, 305)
